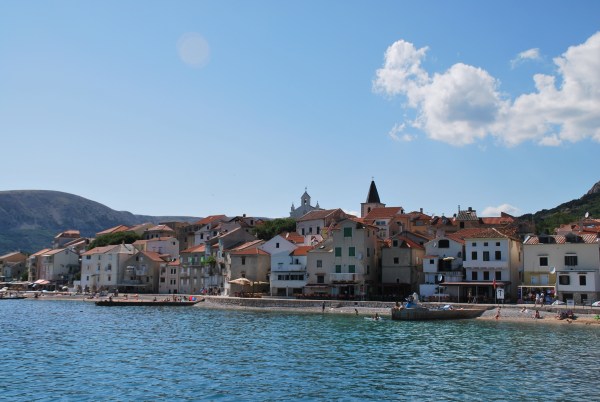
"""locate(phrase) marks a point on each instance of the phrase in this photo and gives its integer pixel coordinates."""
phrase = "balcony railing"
(346, 277)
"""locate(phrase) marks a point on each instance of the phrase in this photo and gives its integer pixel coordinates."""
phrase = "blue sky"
(207, 107)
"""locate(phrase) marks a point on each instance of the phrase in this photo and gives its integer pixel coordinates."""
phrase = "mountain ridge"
(29, 219)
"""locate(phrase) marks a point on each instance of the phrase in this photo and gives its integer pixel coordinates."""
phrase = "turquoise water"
(76, 351)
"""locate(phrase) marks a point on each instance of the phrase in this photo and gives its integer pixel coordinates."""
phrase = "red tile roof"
(160, 228)
(249, 251)
(588, 238)
(116, 229)
(200, 248)
(318, 214)
(209, 219)
(383, 213)
(302, 250)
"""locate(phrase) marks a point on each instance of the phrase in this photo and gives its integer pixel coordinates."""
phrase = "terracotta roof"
(40, 252)
(497, 220)
(154, 256)
(160, 228)
(249, 251)
(209, 219)
(68, 233)
(302, 250)
(54, 251)
(116, 229)
(563, 239)
(409, 242)
(248, 244)
(200, 248)
(174, 262)
(99, 250)
(383, 213)
(293, 237)
(318, 214)
(490, 233)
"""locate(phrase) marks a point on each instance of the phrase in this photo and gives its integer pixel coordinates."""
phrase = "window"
(564, 280)
(243, 260)
(109, 278)
(497, 244)
(347, 232)
(320, 278)
(319, 263)
(351, 269)
(498, 275)
(368, 252)
(276, 245)
(570, 260)
(498, 255)
(485, 244)
(338, 251)
(474, 255)
(338, 269)
(486, 256)
(351, 251)
(474, 244)
(318, 230)
(543, 261)
(582, 280)
(173, 271)
(302, 231)
(473, 276)
(431, 262)
(444, 243)
(395, 243)
(397, 260)
(162, 280)
(486, 275)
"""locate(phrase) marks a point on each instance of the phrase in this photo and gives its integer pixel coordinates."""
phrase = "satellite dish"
(587, 215)
(553, 270)
(440, 277)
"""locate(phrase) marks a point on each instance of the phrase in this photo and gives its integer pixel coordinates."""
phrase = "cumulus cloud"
(531, 54)
(496, 211)
(464, 104)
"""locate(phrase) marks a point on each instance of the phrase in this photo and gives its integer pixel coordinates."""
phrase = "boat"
(12, 297)
(413, 311)
(170, 303)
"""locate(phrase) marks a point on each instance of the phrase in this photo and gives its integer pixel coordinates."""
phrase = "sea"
(76, 351)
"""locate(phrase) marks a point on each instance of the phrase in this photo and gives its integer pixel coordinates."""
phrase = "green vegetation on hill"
(114, 238)
(270, 229)
(547, 220)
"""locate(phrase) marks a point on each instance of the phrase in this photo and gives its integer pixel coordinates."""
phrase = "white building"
(566, 266)
(104, 267)
(59, 265)
(288, 276)
(443, 256)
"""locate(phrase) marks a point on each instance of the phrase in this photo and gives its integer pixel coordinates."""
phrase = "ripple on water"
(78, 351)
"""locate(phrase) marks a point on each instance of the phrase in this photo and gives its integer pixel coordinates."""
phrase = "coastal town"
(385, 254)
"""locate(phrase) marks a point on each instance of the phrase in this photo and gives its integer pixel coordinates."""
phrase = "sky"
(234, 107)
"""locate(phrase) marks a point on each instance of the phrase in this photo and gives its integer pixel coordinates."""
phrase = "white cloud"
(463, 104)
(193, 49)
(531, 54)
(496, 211)
(396, 133)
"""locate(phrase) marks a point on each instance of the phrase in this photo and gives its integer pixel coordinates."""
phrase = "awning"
(317, 286)
(41, 282)
(490, 283)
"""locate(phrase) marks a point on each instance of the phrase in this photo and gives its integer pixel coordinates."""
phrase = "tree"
(270, 229)
(114, 238)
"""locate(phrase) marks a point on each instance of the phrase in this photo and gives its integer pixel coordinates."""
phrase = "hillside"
(29, 219)
(547, 220)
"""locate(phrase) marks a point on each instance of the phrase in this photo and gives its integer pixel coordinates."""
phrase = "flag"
(494, 284)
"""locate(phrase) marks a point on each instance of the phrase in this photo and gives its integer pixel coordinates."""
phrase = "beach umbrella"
(241, 281)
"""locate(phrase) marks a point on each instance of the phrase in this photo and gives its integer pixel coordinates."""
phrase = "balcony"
(344, 278)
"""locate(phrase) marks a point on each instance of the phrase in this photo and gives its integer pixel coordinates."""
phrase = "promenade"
(510, 312)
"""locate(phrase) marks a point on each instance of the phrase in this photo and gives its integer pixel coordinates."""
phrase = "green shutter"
(347, 232)
(351, 269)
(338, 269)
(351, 251)
(338, 251)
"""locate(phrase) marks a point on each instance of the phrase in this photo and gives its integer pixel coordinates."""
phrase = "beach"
(508, 313)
